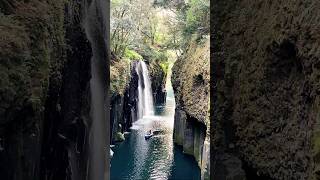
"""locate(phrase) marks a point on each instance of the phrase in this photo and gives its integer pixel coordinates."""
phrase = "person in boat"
(148, 135)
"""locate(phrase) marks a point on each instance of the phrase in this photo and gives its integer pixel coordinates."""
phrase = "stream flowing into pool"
(156, 158)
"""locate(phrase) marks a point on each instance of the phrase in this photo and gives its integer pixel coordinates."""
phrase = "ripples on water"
(156, 158)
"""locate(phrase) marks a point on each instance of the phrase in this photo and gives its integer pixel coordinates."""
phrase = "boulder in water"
(119, 137)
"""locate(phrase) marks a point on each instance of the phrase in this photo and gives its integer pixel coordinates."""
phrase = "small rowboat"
(148, 136)
(111, 153)
(157, 131)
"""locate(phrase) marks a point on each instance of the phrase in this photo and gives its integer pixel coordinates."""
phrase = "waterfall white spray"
(145, 98)
(96, 26)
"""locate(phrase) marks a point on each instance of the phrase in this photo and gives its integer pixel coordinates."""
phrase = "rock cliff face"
(123, 101)
(190, 81)
(32, 50)
(158, 79)
(44, 90)
(267, 77)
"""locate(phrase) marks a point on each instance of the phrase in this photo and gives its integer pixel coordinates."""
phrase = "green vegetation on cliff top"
(159, 33)
(137, 33)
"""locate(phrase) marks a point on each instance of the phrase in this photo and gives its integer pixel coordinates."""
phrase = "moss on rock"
(267, 82)
(119, 77)
(191, 81)
(32, 52)
(27, 57)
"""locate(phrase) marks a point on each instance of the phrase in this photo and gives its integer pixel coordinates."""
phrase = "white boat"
(111, 153)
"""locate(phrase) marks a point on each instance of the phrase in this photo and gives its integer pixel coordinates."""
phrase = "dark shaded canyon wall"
(191, 82)
(44, 90)
(124, 99)
(32, 54)
(266, 74)
(67, 117)
(158, 85)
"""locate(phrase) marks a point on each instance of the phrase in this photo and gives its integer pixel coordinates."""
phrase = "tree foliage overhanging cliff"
(153, 31)
(151, 28)
(137, 33)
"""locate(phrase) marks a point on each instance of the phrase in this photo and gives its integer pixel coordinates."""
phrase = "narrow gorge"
(160, 90)
(120, 89)
(56, 85)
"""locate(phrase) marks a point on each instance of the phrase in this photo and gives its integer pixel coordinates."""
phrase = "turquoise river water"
(156, 158)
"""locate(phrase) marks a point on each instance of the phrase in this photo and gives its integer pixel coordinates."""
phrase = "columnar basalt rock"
(190, 81)
(116, 116)
(158, 79)
(124, 101)
(179, 124)
(188, 137)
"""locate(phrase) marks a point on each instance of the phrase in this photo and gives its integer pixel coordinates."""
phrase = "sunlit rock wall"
(190, 81)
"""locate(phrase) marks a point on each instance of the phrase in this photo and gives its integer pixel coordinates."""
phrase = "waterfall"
(145, 99)
(96, 27)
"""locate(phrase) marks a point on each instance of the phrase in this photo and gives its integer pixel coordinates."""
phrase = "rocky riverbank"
(190, 81)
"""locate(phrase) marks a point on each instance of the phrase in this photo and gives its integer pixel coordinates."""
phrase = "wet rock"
(180, 118)
(189, 133)
(116, 116)
(199, 143)
(205, 160)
